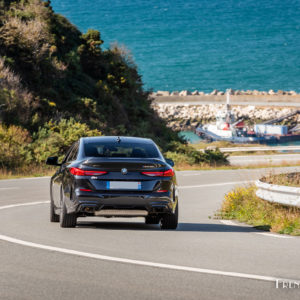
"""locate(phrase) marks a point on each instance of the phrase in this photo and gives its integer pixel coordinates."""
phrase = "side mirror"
(170, 162)
(53, 161)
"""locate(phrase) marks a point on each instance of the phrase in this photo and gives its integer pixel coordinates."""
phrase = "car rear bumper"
(102, 204)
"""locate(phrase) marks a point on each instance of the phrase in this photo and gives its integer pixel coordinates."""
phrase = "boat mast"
(228, 108)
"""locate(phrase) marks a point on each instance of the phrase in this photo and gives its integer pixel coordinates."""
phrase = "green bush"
(183, 153)
(56, 137)
(15, 147)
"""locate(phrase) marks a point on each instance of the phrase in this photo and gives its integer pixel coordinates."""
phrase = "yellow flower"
(110, 77)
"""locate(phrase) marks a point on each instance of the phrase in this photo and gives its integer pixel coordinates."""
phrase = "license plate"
(123, 185)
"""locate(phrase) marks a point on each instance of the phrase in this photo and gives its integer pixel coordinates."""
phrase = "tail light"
(168, 173)
(80, 172)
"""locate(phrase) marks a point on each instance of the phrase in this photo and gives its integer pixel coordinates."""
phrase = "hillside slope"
(50, 70)
(57, 84)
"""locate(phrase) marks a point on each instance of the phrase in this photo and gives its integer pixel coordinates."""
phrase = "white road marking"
(26, 178)
(231, 223)
(43, 177)
(228, 222)
(191, 174)
(132, 261)
(214, 184)
(274, 235)
(9, 188)
(23, 204)
(140, 262)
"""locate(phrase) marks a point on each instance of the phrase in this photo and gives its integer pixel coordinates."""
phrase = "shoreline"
(255, 100)
(222, 93)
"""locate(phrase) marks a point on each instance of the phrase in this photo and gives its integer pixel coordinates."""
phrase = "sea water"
(200, 44)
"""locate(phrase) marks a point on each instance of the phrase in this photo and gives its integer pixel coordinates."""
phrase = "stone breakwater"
(188, 116)
(221, 93)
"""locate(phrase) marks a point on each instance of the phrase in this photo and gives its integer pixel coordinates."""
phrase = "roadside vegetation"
(289, 179)
(225, 144)
(243, 205)
(27, 171)
(58, 84)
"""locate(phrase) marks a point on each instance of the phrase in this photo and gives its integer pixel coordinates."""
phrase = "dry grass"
(11, 82)
(32, 171)
(290, 179)
(32, 34)
(242, 204)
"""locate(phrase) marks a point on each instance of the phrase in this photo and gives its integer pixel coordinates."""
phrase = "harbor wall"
(283, 100)
(187, 112)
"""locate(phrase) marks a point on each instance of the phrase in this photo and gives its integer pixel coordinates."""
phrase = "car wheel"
(170, 221)
(53, 216)
(67, 220)
(152, 220)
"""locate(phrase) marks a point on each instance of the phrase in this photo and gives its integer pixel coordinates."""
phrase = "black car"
(114, 177)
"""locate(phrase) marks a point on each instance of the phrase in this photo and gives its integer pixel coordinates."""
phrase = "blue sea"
(200, 44)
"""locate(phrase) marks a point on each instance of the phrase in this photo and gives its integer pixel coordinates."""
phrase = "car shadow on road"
(214, 227)
(192, 227)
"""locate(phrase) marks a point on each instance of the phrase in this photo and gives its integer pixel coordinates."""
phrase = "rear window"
(114, 149)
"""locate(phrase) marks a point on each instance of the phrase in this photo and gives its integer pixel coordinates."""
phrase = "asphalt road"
(204, 258)
(273, 159)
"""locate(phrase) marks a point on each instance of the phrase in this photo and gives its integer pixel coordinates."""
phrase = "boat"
(227, 128)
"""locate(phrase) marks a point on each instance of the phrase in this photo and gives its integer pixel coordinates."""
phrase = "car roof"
(126, 139)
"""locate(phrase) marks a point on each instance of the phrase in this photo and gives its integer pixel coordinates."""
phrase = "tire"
(170, 221)
(67, 220)
(53, 216)
(152, 220)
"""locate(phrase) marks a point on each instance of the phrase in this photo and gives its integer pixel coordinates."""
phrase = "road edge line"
(131, 261)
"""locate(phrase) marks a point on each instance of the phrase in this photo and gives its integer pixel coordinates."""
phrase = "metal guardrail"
(285, 195)
(254, 149)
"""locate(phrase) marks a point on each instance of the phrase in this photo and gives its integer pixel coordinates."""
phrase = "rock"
(195, 93)
(162, 93)
(220, 93)
(230, 91)
(237, 92)
(255, 92)
(175, 93)
(271, 92)
(153, 94)
(280, 92)
(292, 93)
(214, 92)
(201, 93)
(184, 93)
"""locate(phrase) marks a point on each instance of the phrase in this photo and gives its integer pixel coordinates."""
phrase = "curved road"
(204, 258)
